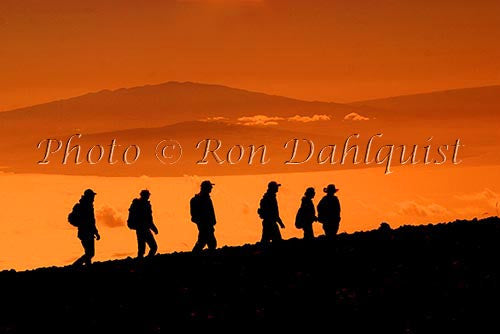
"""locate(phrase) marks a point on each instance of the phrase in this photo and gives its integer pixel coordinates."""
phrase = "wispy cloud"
(109, 217)
(307, 119)
(486, 199)
(485, 195)
(214, 119)
(274, 120)
(412, 208)
(355, 117)
(259, 120)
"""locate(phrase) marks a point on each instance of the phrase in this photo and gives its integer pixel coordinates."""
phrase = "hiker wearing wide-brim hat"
(329, 211)
(330, 189)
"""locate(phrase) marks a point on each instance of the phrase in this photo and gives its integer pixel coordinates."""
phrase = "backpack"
(194, 208)
(133, 219)
(74, 217)
(260, 212)
(322, 211)
(299, 219)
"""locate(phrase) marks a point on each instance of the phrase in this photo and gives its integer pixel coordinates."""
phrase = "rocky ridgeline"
(414, 279)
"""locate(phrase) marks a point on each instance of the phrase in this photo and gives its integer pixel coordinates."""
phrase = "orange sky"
(315, 50)
(35, 232)
(327, 50)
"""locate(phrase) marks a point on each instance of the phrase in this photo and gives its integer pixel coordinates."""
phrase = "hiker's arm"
(312, 212)
(154, 228)
(280, 222)
(96, 232)
(214, 218)
(150, 214)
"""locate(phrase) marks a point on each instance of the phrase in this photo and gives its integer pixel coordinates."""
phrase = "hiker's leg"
(265, 232)
(202, 240)
(80, 260)
(141, 244)
(198, 246)
(276, 232)
(331, 230)
(263, 237)
(335, 229)
(153, 247)
(211, 241)
(326, 228)
(308, 232)
(89, 246)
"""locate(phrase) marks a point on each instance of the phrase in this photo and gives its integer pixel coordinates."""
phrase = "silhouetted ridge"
(411, 279)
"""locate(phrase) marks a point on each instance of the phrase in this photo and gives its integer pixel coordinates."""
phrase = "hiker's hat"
(89, 192)
(273, 184)
(145, 192)
(207, 183)
(310, 190)
(330, 189)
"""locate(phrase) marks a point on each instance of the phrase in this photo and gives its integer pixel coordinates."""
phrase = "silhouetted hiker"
(203, 215)
(83, 217)
(140, 219)
(306, 215)
(329, 211)
(270, 215)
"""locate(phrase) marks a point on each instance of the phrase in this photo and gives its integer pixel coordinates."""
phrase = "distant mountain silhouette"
(155, 106)
(191, 112)
(412, 279)
(478, 103)
(173, 102)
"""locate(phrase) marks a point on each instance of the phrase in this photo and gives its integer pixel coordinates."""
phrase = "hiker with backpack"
(329, 211)
(140, 219)
(306, 215)
(269, 213)
(82, 216)
(203, 215)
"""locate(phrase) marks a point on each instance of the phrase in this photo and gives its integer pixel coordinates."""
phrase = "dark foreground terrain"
(415, 279)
